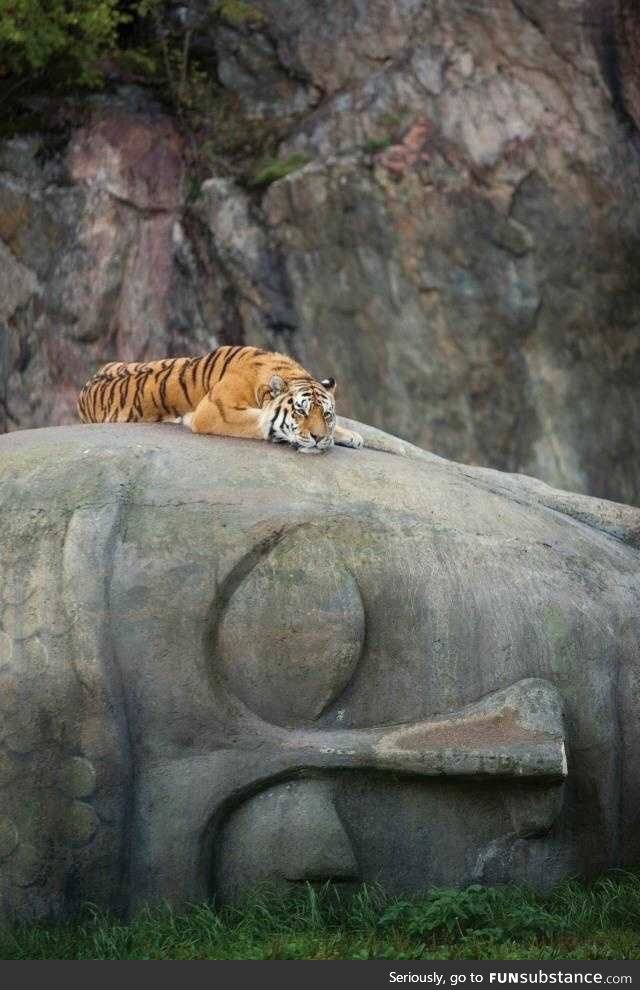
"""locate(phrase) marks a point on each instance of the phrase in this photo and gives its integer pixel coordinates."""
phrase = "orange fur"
(233, 391)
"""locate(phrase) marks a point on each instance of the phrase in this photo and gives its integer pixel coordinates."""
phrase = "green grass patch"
(276, 168)
(576, 921)
(238, 13)
(376, 144)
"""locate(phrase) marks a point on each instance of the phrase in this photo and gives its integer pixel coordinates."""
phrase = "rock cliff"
(456, 237)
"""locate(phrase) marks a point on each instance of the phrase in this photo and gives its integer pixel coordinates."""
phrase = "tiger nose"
(315, 436)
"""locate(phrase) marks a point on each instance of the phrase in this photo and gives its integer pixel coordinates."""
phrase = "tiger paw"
(348, 438)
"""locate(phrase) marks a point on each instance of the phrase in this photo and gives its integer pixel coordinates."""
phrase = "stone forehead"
(158, 466)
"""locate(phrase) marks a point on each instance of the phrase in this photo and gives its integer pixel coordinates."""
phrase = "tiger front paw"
(349, 438)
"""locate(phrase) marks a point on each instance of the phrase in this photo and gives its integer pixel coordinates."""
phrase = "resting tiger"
(231, 392)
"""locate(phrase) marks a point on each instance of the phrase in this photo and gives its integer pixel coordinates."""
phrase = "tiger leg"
(224, 414)
(347, 438)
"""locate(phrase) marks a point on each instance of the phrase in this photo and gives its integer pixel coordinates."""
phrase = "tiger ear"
(276, 385)
(328, 383)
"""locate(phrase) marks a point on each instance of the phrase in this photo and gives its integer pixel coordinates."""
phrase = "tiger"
(234, 391)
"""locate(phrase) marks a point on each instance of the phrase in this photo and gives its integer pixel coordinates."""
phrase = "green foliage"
(69, 35)
(237, 13)
(186, 83)
(230, 143)
(140, 62)
(376, 144)
(189, 88)
(64, 44)
(276, 168)
(576, 921)
(67, 39)
(169, 50)
(475, 912)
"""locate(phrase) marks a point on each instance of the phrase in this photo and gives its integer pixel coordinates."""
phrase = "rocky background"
(449, 224)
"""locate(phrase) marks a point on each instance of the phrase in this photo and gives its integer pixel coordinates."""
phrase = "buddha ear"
(276, 385)
(328, 383)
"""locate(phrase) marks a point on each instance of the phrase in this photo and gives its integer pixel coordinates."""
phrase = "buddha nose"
(290, 832)
(320, 846)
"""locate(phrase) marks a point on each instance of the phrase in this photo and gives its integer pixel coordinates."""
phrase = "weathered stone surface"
(94, 254)
(221, 662)
(265, 624)
(461, 252)
(474, 281)
(313, 845)
(133, 159)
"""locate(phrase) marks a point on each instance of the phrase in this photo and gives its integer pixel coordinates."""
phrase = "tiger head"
(300, 412)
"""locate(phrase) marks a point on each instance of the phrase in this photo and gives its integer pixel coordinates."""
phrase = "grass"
(276, 168)
(376, 144)
(576, 921)
(238, 13)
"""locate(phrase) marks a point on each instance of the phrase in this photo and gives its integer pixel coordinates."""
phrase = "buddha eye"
(291, 635)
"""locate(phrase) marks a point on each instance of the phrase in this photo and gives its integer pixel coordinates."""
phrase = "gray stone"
(222, 663)
(17, 283)
(8, 837)
(78, 778)
(287, 834)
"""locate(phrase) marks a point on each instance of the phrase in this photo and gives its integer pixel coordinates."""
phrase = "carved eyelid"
(290, 636)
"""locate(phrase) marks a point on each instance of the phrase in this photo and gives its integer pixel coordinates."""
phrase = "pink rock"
(136, 159)
(411, 150)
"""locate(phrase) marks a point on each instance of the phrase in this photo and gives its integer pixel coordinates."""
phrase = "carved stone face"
(379, 679)
(300, 689)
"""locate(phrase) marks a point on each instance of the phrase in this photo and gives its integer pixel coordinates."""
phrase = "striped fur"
(233, 391)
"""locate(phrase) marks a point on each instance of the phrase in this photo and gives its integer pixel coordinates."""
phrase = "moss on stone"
(276, 168)
(238, 13)
(379, 144)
